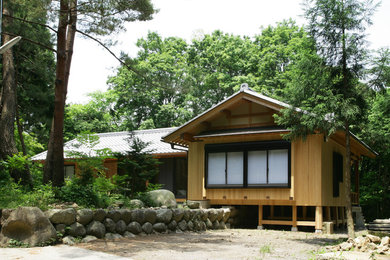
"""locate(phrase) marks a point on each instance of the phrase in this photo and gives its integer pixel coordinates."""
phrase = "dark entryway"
(173, 175)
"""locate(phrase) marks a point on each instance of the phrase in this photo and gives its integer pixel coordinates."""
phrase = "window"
(254, 164)
(69, 171)
(337, 173)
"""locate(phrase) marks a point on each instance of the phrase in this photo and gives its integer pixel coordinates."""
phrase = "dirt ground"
(220, 244)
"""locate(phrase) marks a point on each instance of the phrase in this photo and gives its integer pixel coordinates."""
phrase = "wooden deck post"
(343, 220)
(294, 227)
(336, 215)
(318, 219)
(260, 224)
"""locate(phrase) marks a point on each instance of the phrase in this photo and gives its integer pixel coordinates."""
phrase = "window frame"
(246, 147)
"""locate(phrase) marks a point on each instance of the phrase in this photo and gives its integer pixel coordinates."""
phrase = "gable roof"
(175, 137)
(118, 142)
(182, 135)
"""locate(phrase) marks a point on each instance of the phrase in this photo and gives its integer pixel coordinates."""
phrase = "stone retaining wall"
(115, 223)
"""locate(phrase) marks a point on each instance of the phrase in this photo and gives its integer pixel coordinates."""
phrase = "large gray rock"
(120, 227)
(226, 214)
(77, 230)
(61, 228)
(69, 240)
(28, 225)
(134, 227)
(147, 228)
(126, 215)
(178, 214)
(114, 214)
(203, 215)
(84, 216)
(213, 214)
(220, 214)
(160, 227)
(187, 215)
(97, 229)
(182, 225)
(110, 225)
(216, 224)
(164, 215)
(172, 225)
(136, 204)
(99, 215)
(190, 225)
(138, 215)
(88, 239)
(193, 204)
(128, 234)
(209, 224)
(163, 198)
(62, 216)
(150, 216)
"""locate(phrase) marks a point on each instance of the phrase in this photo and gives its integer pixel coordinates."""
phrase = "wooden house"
(237, 156)
(172, 170)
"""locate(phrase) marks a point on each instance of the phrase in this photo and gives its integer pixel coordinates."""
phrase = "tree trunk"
(350, 225)
(54, 166)
(8, 108)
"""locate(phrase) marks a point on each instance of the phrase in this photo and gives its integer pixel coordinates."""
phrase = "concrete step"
(381, 221)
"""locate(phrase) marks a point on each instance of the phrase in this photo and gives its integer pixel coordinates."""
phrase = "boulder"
(164, 215)
(346, 246)
(110, 225)
(374, 239)
(172, 225)
(203, 215)
(28, 225)
(62, 216)
(222, 225)
(216, 224)
(136, 204)
(120, 227)
(220, 214)
(187, 215)
(150, 216)
(126, 215)
(163, 198)
(84, 216)
(213, 214)
(178, 214)
(203, 226)
(193, 204)
(88, 239)
(182, 225)
(4, 215)
(361, 241)
(61, 228)
(128, 234)
(97, 229)
(385, 241)
(190, 225)
(77, 230)
(209, 224)
(226, 214)
(134, 227)
(147, 227)
(99, 215)
(69, 240)
(114, 214)
(138, 215)
(160, 227)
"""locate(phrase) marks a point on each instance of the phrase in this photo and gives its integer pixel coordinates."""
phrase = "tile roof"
(118, 142)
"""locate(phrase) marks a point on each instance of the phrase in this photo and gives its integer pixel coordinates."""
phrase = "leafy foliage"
(135, 168)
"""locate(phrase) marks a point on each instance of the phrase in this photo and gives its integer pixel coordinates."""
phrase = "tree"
(327, 87)
(96, 116)
(93, 18)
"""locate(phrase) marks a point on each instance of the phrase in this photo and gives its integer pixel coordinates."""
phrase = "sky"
(92, 65)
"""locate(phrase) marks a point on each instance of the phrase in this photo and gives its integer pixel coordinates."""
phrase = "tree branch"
(31, 22)
(31, 41)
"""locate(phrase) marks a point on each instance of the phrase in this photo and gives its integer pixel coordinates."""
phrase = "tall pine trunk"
(8, 103)
(54, 166)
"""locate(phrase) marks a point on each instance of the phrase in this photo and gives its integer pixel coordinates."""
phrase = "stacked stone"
(368, 243)
(116, 223)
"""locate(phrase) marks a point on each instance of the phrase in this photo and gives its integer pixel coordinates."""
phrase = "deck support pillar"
(294, 227)
(318, 219)
(260, 223)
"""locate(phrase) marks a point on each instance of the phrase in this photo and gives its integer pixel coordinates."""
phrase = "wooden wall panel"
(327, 174)
(111, 167)
(196, 171)
(307, 170)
